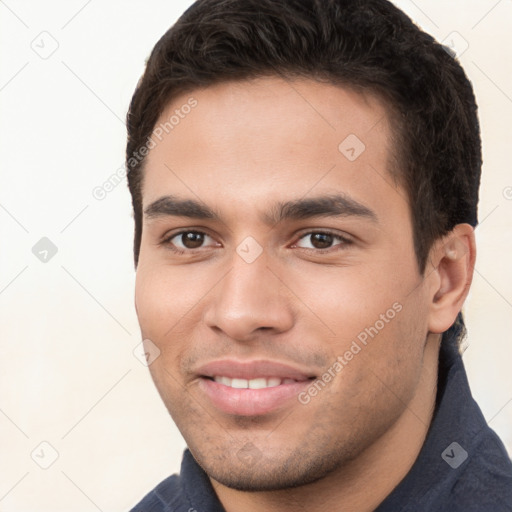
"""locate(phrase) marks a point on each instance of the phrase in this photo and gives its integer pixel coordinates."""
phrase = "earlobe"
(454, 259)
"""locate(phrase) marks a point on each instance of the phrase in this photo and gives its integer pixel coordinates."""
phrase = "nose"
(249, 299)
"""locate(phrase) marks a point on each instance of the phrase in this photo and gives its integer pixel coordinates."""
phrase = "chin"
(261, 474)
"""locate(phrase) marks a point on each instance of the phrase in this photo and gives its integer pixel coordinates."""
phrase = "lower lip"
(250, 402)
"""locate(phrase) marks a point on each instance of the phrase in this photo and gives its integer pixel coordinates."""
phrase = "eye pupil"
(321, 240)
(192, 240)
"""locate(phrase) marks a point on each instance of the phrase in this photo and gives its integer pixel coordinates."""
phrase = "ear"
(453, 258)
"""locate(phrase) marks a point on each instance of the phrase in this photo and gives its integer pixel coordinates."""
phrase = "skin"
(245, 147)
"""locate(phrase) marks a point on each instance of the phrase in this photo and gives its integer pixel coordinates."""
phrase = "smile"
(258, 383)
(251, 387)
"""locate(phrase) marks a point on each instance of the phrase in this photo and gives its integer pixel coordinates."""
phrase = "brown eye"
(189, 240)
(321, 240)
(192, 239)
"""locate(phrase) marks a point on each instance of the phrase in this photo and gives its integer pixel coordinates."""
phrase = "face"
(277, 279)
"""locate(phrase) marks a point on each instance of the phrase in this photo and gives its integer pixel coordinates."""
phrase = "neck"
(380, 468)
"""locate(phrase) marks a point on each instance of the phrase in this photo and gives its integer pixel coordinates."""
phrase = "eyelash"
(345, 241)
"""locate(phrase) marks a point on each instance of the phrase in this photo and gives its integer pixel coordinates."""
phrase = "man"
(305, 176)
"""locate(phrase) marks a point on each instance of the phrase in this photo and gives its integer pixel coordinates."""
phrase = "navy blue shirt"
(463, 465)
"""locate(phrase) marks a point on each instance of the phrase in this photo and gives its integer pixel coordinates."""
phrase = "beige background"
(68, 327)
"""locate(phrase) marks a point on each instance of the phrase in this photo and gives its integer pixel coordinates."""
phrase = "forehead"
(269, 139)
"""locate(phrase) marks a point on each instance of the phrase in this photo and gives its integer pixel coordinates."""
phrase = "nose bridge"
(248, 298)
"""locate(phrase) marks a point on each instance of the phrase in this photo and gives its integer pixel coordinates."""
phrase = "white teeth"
(258, 383)
(225, 380)
(239, 383)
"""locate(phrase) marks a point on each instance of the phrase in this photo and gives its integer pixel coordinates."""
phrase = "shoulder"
(486, 481)
(190, 491)
(167, 496)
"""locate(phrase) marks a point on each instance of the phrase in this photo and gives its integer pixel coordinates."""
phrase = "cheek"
(350, 299)
(164, 313)
(163, 294)
(150, 299)
(161, 300)
(375, 324)
(394, 346)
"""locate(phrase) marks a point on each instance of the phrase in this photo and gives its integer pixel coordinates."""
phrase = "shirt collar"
(456, 426)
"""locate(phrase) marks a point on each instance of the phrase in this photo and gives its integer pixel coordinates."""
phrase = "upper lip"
(254, 369)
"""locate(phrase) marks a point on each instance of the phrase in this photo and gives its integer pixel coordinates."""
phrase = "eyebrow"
(173, 206)
(336, 205)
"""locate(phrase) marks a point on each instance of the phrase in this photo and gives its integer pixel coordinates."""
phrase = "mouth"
(257, 383)
(252, 388)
